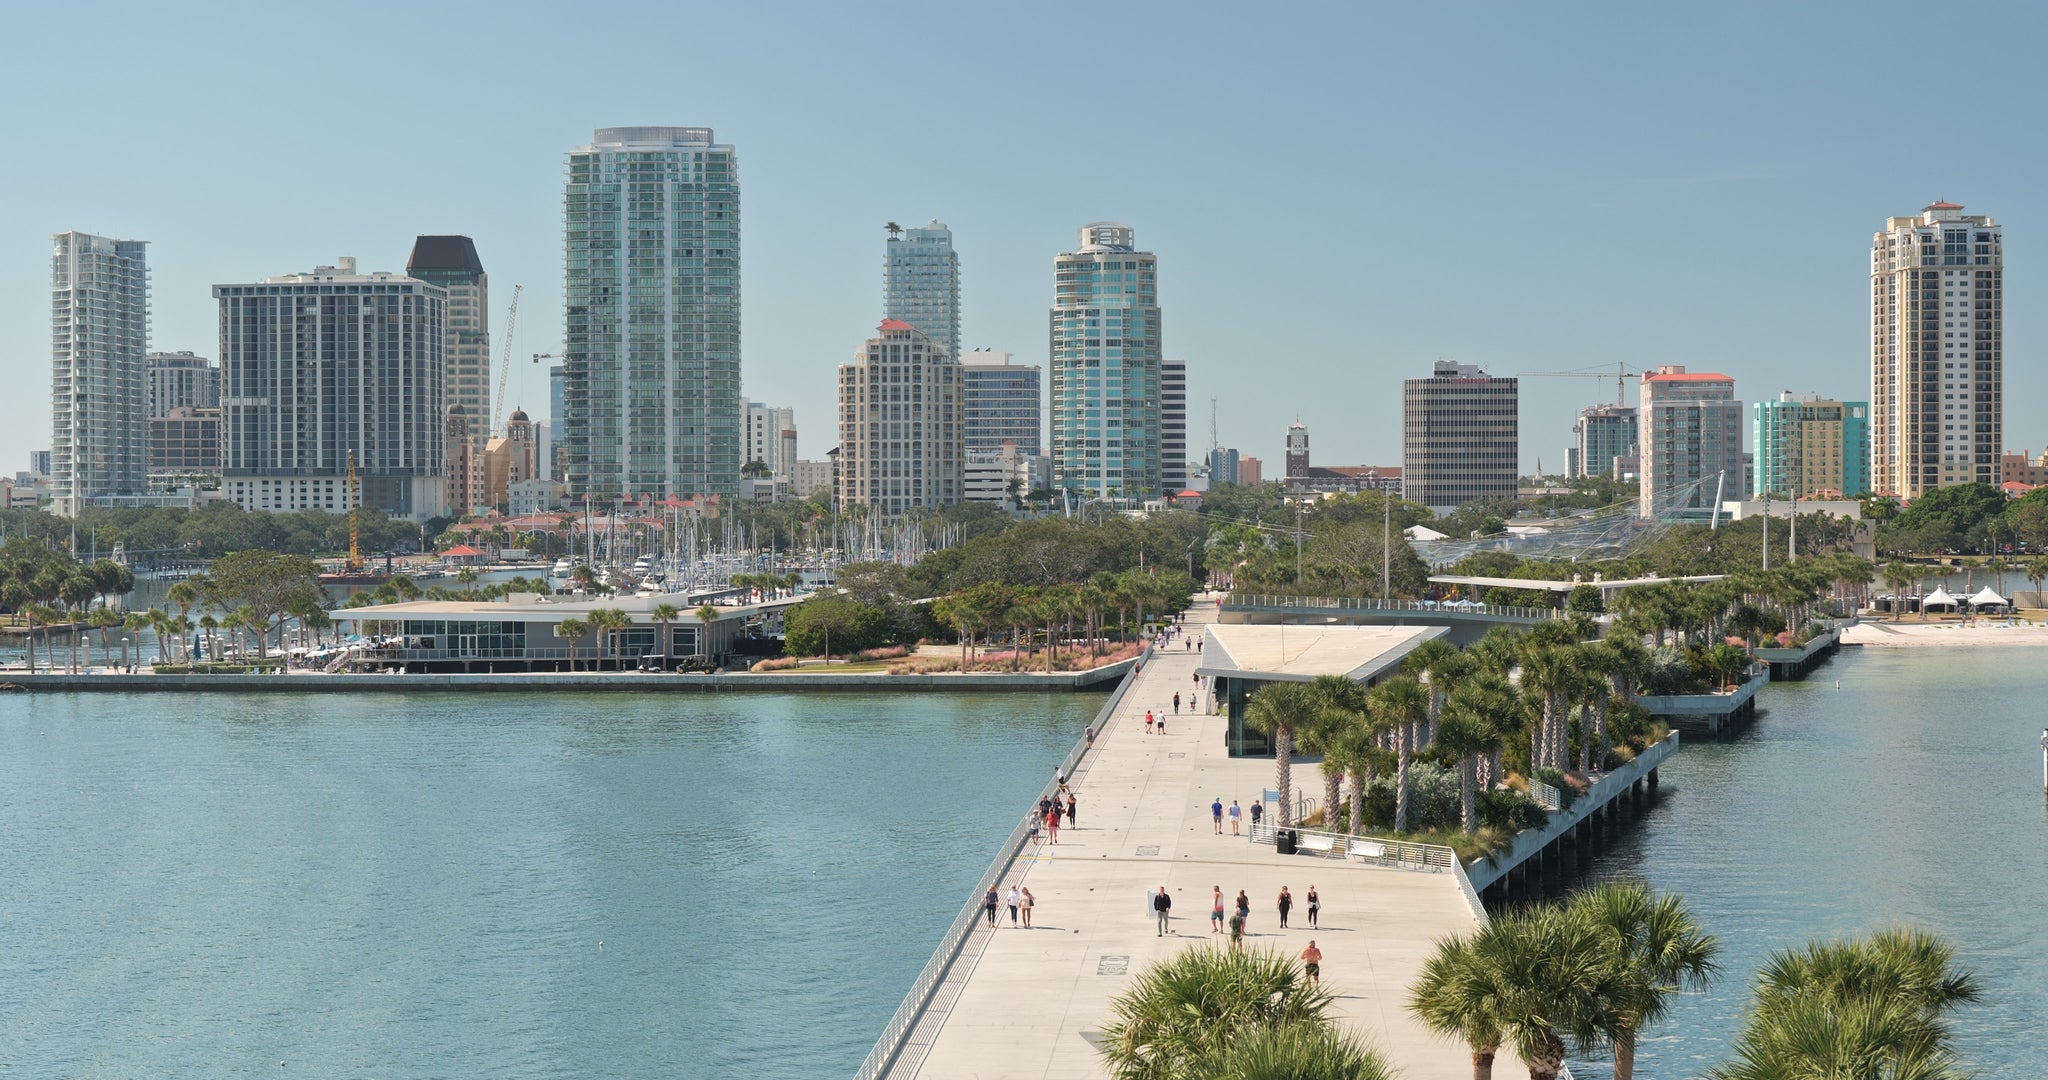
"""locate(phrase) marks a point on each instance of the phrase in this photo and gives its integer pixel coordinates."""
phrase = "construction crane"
(1621, 373)
(505, 365)
(355, 551)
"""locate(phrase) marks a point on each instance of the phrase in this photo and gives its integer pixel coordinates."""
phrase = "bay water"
(441, 885)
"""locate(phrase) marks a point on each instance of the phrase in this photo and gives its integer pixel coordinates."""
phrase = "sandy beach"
(1879, 632)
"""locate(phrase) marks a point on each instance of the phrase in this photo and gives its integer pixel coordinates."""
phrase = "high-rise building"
(182, 380)
(1106, 360)
(1607, 442)
(318, 365)
(99, 380)
(1004, 402)
(1173, 426)
(184, 447)
(556, 455)
(451, 262)
(651, 253)
(1459, 436)
(1937, 351)
(1251, 472)
(770, 438)
(1223, 466)
(1691, 429)
(1807, 447)
(921, 282)
(899, 423)
(1304, 477)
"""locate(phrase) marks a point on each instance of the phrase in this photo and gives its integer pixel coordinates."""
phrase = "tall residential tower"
(651, 266)
(900, 423)
(921, 282)
(99, 377)
(1937, 356)
(1106, 358)
(1691, 429)
(1004, 401)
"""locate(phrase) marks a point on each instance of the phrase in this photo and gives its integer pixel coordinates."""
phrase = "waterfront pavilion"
(1561, 589)
(517, 633)
(1239, 658)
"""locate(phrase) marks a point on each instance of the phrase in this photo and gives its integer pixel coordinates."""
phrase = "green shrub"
(1510, 811)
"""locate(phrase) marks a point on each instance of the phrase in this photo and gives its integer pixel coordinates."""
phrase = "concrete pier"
(1032, 1003)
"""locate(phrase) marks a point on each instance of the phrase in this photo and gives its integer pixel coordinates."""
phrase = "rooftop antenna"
(1215, 441)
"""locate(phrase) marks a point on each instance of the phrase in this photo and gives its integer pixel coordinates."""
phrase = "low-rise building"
(184, 447)
(536, 496)
(522, 632)
(1005, 476)
(2021, 468)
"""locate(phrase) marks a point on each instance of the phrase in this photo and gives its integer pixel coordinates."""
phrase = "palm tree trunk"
(1625, 1057)
(1357, 803)
(1467, 800)
(1585, 737)
(1600, 735)
(1548, 1061)
(1333, 782)
(1482, 1065)
(1401, 752)
(1283, 751)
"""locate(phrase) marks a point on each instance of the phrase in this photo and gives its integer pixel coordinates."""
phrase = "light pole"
(2044, 760)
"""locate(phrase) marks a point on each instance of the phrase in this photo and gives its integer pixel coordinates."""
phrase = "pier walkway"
(1021, 1003)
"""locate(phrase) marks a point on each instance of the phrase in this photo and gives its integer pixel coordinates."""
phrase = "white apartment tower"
(1690, 427)
(921, 282)
(315, 366)
(1173, 426)
(901, 423)
(769, 437)
(1106, 367)
(99, 378)
(651, 282)
(1937, 351)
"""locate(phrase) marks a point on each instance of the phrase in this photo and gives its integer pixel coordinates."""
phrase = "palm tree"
(31, 614)
(1291, 1052)
(1546, 674)
(1654, 951)
(1199, 1003)
(1278, 710)
(1400, 703)
(609, 623)
(662, 615)
(133, 623)
(1463, 732)
(572, 631)
(1457, 995)
(184, 594)
(1439, 664)
(209, 624)
(2037, 570)
(1878, 1007)
(1549, 971)
(104, 620)
(1342, 715)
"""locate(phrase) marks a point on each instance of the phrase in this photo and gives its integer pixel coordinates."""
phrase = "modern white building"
(1691, 429)
(769, 437)
(182, 380)
(320, 365)
(921, 282)
(811, 479)
(1937, 351)
(651, 261)
(899, 423)
(1107, 436)
(99, 371)
(1003, 476)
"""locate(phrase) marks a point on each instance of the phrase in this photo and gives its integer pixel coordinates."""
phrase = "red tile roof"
(1944, 206)
(895, 324)
(463, 551)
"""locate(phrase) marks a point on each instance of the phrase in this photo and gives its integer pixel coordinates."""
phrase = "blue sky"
(1339, 194)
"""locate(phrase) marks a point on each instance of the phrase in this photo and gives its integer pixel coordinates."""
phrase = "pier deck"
(1032, 1003)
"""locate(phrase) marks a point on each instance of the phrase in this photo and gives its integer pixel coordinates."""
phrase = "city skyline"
(1706, 142)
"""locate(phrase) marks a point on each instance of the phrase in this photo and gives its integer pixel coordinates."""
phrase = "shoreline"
(1875, 632)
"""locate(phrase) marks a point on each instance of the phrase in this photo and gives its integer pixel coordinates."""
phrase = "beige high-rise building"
(901, 441)
(1937, 356)
(1690, 426)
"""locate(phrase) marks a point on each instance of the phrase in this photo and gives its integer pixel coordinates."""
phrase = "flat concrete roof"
(1564, 586)
(549, 609)
(1299, 653)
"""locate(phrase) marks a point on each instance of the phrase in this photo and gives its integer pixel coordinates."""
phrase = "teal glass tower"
(1106, 360)
(651, 268)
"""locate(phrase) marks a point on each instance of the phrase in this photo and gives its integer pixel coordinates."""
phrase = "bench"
(1320, 845)
(1369, 850)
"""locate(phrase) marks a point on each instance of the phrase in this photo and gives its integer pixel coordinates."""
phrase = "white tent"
(1985, 598)
(1938, 598)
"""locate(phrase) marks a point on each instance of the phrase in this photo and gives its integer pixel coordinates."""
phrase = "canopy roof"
(1986, 596)
(1938, 596)
(1296, 652)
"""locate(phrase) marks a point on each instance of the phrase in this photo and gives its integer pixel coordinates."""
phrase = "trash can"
(1284, 841)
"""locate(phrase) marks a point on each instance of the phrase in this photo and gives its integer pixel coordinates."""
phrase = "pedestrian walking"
(1286, 905)
(1162, 723)
(1011, 899)
(1258, 811)
(988, 906)
(1244, 907)
(1315, 905)
(1236, 932)
(1162, 906)
(1052, 828)
(1312, 964)
(1148, 721)
(1215, 909)
(1072, 821)
(1216, 814)
(1024, 902)
(1054, 811)
(1235, 815)
(1176, 703)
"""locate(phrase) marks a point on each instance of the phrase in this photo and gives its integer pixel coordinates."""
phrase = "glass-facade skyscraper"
(99, 378)
(651, 262)
(921, 282)
(1005, 402)
(1106, 357)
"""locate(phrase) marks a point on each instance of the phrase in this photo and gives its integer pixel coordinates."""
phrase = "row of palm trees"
(1589, 976)
(1598, 971)
(1472, 710)
(609, 623)
(978, 613)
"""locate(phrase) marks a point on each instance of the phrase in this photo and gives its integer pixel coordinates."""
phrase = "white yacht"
(561, 569)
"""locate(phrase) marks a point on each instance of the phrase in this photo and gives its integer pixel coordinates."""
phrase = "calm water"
(416, 886)
(1910, 795)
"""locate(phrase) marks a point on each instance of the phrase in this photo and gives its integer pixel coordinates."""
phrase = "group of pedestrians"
(1217, 812)
(1233, 918)
(1019, 900)
(1051, 809)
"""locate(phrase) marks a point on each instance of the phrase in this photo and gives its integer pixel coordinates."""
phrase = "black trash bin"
(1284, 841)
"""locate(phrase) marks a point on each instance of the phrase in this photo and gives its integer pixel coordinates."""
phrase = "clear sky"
(1338, 194)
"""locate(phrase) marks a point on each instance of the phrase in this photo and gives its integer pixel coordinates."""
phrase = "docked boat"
(561, 569)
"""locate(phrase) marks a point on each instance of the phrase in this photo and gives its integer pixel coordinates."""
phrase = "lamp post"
(2044, 760)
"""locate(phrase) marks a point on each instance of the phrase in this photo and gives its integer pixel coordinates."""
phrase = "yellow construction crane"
(505, 365)
(1621, 373)
(355, 551)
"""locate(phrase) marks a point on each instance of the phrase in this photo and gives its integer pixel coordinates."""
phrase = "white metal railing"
(1546, 796)
(1354, 603)
(904, 1021)
(1380, 850)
